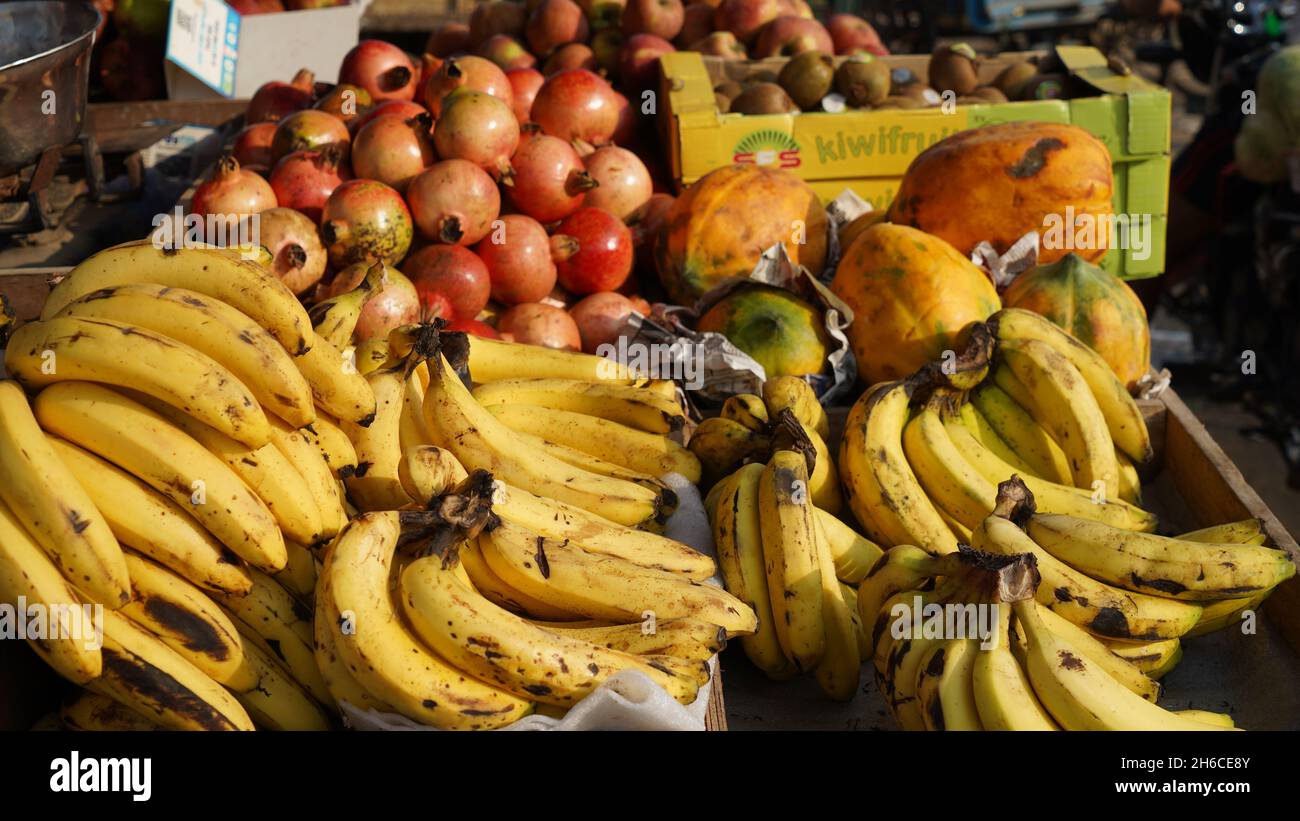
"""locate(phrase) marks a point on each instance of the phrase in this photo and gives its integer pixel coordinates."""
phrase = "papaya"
(719, 227)
(913, 296)
(782, 332)
(999, 182)
(1097, 307)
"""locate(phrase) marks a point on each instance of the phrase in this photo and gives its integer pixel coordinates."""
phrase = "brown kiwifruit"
(954, 68)
(989, 94)
(764, 76)
(900, 101)
(730, 88)
(807, 78)
(1013, 78)
(1045, 87)
(862, 82)
(763, 98)
(922, 94)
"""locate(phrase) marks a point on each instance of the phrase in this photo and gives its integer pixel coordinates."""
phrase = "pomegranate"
(744, 18)
(549, 182)
(497, 17)
(639, 304)
(623, 181)
(646, 223)
(625, 133)
(380, 68)
(577, 104)
(232, 192)
(347, 102)
(252, 145)
(596, 251)
(506, 52)
(570, 55)
(472, 326)
(393, 150)
(789, 35)
(554, 23)
(467, 73)
(276, 99)
(396, 304)
(433, 305)
(365, 220)
(448, 39)
(662, 18)
(524, 82)
(697, 23)
(297, 256)
(536, 323)
(304, 180)
(454, 202)
(638, 66)
(519, 260)
(480, 128)
(401, 108)
(309, 129)
(600, 317)
(454, 273)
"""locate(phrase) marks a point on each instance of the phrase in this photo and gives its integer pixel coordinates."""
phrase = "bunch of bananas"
(172, 451)
(1084, 619)
(921, 458)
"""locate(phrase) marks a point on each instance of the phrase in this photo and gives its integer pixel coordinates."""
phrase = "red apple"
(720, 44)
(536, 323)
(554, 23)
(646, 223)
(663, 18)
(570, 55)
(506, 52)
(449, 39)
(799, 8)
(697, 23)
(596, 251)
(789, 35)
(638, 66)
(600, 317)
(744, 18)
(850, 32)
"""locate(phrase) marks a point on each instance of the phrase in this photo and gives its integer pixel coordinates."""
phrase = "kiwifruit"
(764, 76)
(1012, 79)
(1044, 87)
(900, 101)
(763, 98)
(954, 68)
(989, 94)
(922, 94)
(807, 78)
(862, 82)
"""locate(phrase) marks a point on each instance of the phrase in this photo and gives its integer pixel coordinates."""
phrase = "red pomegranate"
(497, 17)
(297, 256)
(396, 304)
(393, 150)
(453, 272)
(275, 99)
(577, 105)
(570, 55)
(454, 202)
(401, 108)
(662, 18)
(554, 23)
(380, 68)
(597, 251)
(252, 145)
(448, 39)
(639, 62)
(347, 102)
(646, 223)
(232, 192)
(309, 129)
(623, 181)
(536, 323)
(697, 23)
(519, 260)
(549, 182)
(625, 133)
(600, 317)
(506, 52)
(468, 73)
(472, 326)
(524, 82)
(480, 128)
(304, 180)
(365, 220)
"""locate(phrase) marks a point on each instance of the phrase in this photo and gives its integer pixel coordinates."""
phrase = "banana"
(428, 471)
(837, 672)
(147, 521)
(824, 481)
(1068, 409)
(214, 329)
(1123, 418)
(899, 681)
(1246, 531)
(58, 512)
(850, 596)
(794, 393)
(152, 449)
(479, 441)
(1147, 563)
(747, 409)
(370, 355)
(634, 449)
(70, 645)
(603, 587)
(328, 437)
(948, 479)
(882, 491)
(737, 531)
(270, 695)
(1078, 693)
(627, 405)
(411, 432)
(151, 679)
(93, 712)
(299, 574)
(492, 360)
(375, 484)
(790, 554)
(374, 644)
(959, 530)
(491, 586)
(1206, 717)
(689, 639)
(1026, 438)
(1219, 615)
(182, 617)
(510, 652)
(900, 568)
(852, 553)
(600, 467)
(1100, 654)
(343, 686)
(337, 385)
(1130, 483)
(1152, 658)
(282, 625)
(336, 318)
(66, 349)
(305, 458)
(721, 445)
(978, 427)
(1004, 697)
(265, 470)
(215, 272)
(946, 695)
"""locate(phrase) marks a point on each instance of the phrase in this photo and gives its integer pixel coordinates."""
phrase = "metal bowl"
(44, 75)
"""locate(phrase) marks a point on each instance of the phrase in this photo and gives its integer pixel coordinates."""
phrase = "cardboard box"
(213, 51)
(869, 151)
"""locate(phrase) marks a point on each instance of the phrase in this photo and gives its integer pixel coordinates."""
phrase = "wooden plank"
(25, 290)
(715, 713)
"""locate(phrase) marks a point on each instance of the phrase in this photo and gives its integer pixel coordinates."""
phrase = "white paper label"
(203, 39)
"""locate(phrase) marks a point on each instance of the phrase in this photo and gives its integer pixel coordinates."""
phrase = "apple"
(663, 18)
(497, 17)
(638, 65)
(721, 44)
(789, 35)
(849, 33)
(570, 55)
(697, 23)
(744, 18)
(449, 39)
(506, 52)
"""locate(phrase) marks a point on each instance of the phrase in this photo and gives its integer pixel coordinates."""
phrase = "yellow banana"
(1225, 613)
(328, 437)
(977, 426)
(428, 471)
(491, 360)
(837, 672)
(1098, 652)
(375, 484)
(852, 553)
(336, 318)
(93, 712)
(1153, 658)
(797, 395)
(337, 385)
(722, 445)
(948, 479)
(746, 409)
(299, 574)
(625, 404)
(850, 596)
(1246, 531)
(343, 686)
(598, 466)
(1024, 436)
(306, 459)
(272, 698)
(491, 586)
(1130, 483)
(946, 696)
(1003, 694)
(688, 639)
(790, 554)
